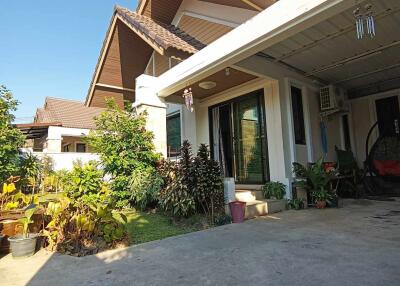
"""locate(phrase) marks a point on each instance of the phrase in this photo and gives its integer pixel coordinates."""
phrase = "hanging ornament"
(359, 23)
(370, 20)
(188, 96)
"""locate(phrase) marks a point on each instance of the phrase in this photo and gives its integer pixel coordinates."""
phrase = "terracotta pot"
(320, 204)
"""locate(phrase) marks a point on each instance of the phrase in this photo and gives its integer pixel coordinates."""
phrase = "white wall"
(55, 135)
(65, 160)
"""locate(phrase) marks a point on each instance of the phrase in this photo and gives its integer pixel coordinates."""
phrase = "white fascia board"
(276, 23)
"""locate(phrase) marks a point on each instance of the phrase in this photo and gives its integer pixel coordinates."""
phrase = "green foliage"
(80, 227)
(56, 181)
(177, 196)
(322, 195)
(313, 177)
(85, 183)
(145, 186)
(274, 190)
(124, 145)
(208, 183)
(296, 204)
(11, 139)
(29, 169)
(192, 184)
(12, 198)
(27, 219)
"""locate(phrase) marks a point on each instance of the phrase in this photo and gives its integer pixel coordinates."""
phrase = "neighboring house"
(58, 131)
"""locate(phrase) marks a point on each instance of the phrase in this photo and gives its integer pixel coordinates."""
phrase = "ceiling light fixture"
(207, 85)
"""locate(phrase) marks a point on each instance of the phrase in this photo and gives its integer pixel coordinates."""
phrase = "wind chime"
(369, 21)
(188, 96)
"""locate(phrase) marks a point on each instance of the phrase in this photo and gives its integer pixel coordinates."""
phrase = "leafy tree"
(124, 145)
(11, 139)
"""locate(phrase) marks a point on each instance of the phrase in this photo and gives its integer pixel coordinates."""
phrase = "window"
(298, 116)
(81, 147)
(173, 134)
(66, 148)
(346, 132)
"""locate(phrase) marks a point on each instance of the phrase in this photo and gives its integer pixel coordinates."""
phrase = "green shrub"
(85, 183)
(145, 186)
(208, 183)
(124, 145)
(177, 196)
(29, 167)
(80, 229)
(192, 184)
(274, 190)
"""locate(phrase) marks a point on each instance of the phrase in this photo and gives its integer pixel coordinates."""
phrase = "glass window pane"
(173, 135)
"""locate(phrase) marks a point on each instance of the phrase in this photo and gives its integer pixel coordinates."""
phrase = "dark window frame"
(175, 152)
(66, 148)
(299, 127)
(80, 144)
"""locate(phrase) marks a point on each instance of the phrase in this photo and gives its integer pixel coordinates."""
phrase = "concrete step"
(248, 195)
(256, 208)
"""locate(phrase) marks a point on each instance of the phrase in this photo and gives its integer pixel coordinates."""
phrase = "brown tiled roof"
(70, 113)
(163, 35)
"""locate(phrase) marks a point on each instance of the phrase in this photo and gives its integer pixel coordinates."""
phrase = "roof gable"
(129, 43)
(159, 10)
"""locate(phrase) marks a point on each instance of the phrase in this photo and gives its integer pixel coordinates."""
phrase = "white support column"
(146, 99)
(53, 140)
(276, 152)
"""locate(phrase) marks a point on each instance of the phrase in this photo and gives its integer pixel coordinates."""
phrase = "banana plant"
(27, 220)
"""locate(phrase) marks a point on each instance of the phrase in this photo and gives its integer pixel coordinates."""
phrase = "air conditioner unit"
(332, 97)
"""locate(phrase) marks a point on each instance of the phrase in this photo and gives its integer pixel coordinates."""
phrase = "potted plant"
(275, 192)
(321, 198)
(25, 244)
(315, 179)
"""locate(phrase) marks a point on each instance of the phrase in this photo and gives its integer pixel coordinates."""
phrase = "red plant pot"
(320, 204)
(237, 211)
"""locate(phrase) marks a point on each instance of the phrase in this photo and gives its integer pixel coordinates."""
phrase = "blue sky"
(50, 48)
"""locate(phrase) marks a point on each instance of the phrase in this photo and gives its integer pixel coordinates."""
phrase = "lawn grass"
(143, 227)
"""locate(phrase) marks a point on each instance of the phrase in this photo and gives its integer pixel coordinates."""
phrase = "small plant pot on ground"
(23, 246)
(237, 211)
(320, 204)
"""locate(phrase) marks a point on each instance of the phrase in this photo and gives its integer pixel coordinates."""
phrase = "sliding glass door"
(239, 138)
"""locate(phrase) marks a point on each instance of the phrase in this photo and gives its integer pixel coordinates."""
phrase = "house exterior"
(58, 130)
(272, 82)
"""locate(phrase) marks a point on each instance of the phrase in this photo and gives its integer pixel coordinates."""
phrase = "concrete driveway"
(355, 245)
